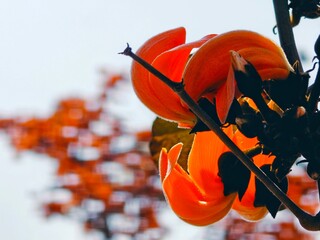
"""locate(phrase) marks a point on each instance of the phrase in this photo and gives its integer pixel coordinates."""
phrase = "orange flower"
(168, 53)
(204, 194)
(198, 196)
(246, 207)
(206, 73)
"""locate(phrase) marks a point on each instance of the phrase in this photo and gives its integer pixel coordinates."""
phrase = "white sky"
(51, 49)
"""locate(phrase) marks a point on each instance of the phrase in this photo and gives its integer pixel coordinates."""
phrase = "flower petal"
(171, 63)
(208, 69)
(203, 162)
(225, 96)
(186, 198)
(269, 63)
(146, 90)
(246, 207)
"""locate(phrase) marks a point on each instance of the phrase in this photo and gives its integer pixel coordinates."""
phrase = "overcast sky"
(53, 48)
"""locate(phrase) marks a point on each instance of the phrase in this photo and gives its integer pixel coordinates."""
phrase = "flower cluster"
(206, 73)
(215, 180)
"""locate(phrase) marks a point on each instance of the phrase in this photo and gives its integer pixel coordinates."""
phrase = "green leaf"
(166, 134)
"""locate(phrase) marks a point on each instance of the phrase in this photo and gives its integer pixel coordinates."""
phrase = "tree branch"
(286, 36)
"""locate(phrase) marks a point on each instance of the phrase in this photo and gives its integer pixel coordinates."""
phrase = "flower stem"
(307, 221)
(286, 36)
(315, 93)
(288, 44)
(315, 89)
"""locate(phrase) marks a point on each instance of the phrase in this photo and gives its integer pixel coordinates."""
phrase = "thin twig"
(307, 221)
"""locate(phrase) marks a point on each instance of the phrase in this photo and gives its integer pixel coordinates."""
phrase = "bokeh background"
(50, 50)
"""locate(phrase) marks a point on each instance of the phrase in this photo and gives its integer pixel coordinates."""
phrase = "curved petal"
(246, 207)
(171, 63)
(270, 64)
(186, 198)
(208, 68)
(249, 213)
(225, 96)
(203, 162)
(146, 90)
